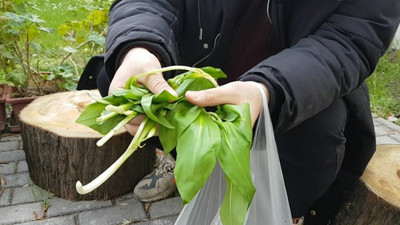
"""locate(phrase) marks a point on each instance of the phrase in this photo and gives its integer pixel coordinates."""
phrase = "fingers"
(156, 84)
(212, 97)
(232, 93)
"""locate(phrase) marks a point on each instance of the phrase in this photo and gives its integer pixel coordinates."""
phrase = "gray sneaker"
(160, 183)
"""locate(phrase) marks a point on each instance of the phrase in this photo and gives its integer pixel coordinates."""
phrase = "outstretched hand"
(135, 62)
(234, 93)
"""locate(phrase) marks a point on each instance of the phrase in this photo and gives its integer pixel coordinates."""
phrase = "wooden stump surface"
(60, 152)
(375, 199)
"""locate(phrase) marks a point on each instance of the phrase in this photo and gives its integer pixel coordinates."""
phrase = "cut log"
(60, 152)
(375, 199)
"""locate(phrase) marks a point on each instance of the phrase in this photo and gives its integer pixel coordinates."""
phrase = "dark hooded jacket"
(330, 48)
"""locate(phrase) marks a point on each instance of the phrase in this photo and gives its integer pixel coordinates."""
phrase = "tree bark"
(60, 152)
(375, 199)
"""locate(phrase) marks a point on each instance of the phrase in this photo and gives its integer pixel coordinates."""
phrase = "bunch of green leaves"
(200, 137)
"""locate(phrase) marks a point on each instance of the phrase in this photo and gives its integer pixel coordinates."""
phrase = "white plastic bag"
(270, 204)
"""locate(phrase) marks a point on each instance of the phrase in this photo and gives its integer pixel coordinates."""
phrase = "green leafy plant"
(81, 39)
(19, 51)
(36, 67)
(200, 137)
(44, 202)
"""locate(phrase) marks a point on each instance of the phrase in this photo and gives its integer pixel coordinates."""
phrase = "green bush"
(30, 57)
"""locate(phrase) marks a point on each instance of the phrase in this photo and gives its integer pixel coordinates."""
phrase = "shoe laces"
(165, 166)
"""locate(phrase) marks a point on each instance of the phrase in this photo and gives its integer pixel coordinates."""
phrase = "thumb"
(211, 97)
(156, 84)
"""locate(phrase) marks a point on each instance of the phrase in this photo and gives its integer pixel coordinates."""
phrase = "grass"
(55, 13)
(384, 86)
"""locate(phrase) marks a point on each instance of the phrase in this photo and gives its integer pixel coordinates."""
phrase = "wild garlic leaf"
(120, 92)
(153, 110)
(234, 206)
(194, 84)
(137, 108)
(196, 155)
(235, 150)
(131, 83)
(177, 80)
(89, 115)
(115, 100)
(236, 138)
(214, 72)
(180, 117)
(240, 116)
(164, 96)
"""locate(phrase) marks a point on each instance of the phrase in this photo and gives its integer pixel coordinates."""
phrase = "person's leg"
(311, 155)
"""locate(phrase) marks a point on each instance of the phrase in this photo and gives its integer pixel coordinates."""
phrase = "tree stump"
(375, 199)
(60, 152)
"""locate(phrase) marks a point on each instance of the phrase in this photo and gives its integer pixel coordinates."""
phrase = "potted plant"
(19, 59)
(3, 115)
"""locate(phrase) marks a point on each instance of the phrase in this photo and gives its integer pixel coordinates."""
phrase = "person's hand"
(135, 62)
(234, 93)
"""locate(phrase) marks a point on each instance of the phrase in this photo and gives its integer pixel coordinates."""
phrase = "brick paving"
(20, 198)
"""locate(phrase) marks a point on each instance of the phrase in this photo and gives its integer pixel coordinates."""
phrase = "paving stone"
(17, 180)
(8, 168)
(377, 122)
(5, 198)
(10, 137)
(389, 125)
(29, 194)
(170, 220)
(382, 130)
(386, 140)
(167, 207)
(9, 146)
(22, 166)
(12, 156)
(65, 220)
(396, 137)
(61, 207)
(129, 210)
(130, 195)
(18, 213)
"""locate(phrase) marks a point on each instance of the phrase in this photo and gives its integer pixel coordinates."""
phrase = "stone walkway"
(20, 199)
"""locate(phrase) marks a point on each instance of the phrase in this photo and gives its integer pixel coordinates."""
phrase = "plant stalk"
(104, 139)
(170, 68)
(145, 128)
(4, 6)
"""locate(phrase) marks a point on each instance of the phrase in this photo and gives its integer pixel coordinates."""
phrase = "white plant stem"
(137, 139)
(109, 135)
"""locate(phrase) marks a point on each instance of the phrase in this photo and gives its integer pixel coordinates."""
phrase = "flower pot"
(3, 116)
(17, 104)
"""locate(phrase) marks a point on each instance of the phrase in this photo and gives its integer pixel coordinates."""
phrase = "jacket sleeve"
(152, 24)
(329, 63)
